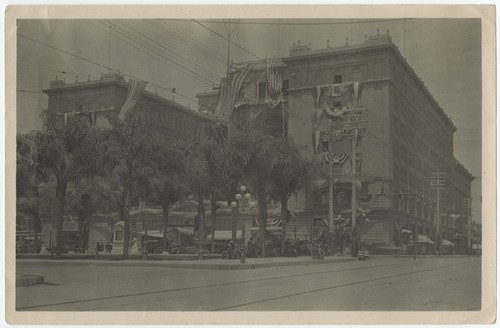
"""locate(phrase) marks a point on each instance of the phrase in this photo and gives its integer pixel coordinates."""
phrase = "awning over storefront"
(424, 239)
(224, 235)
(447, 243)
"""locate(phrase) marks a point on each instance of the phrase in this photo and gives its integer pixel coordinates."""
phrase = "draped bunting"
(135, 90)
(337, 159)
(338, 89)
(336, 112)
(274, 80)
(230, 88)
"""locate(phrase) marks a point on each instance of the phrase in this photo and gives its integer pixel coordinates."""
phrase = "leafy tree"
(131, 149)
(290, 173)
(28, 178)
(68, 152)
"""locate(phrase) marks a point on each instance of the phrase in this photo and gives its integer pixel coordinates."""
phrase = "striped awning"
(424, 239)
(446, 242)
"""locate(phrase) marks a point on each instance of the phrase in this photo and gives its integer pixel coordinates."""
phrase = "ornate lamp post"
(242, 202)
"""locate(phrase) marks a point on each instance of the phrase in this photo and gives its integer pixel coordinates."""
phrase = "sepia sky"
(191, 56)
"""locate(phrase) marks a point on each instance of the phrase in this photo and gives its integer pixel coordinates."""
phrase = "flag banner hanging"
(135, 90)
(318, 94)
(230, 88)
(274, 80)
(357, 90)
(317, 116)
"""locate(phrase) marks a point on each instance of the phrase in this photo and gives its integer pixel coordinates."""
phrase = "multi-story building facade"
(407, 137)
(105, 97)
(102, 100)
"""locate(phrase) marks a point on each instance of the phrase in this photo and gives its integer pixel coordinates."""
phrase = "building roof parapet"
(380, 42)
(463, 170)
(118, 79)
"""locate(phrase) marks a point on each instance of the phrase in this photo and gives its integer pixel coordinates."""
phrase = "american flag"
(274, 80)
(229, 90)
(135, 89)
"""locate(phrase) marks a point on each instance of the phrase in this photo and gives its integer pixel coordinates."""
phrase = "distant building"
(102, 99)
(408, 137)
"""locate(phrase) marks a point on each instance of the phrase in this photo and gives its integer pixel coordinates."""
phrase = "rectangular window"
(337, 78)
(262, 90)
(285, 87)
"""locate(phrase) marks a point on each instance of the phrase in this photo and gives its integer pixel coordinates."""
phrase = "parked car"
(363, 255)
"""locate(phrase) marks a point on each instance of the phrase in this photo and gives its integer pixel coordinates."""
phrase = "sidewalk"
(28, 280)
(209, 264)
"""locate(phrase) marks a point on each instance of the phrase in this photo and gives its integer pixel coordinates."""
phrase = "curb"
(26, 281)
(178, 265)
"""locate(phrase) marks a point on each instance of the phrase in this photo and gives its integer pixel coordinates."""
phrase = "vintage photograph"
(234, 164)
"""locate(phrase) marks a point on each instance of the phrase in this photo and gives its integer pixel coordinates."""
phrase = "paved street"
(382, 283)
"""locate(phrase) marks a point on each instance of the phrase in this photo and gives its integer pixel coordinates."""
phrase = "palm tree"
(291, 173)
(131, 148)
(169, 180)
(68, 151)
(253, 151)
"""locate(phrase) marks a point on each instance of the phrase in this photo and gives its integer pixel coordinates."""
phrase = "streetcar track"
(330, 287)
(222, 284)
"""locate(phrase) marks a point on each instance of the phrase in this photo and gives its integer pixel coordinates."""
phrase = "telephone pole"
(467, 204)
(438, 183)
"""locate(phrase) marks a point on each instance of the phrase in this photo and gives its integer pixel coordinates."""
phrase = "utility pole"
(354, 184)
(109, 50)
(438, 183)
(331, 197)
(468, 209)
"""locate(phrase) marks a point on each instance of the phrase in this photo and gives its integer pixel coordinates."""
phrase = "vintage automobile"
(363, 255)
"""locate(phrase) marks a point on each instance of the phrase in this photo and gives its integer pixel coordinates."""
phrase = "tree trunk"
(284, 222)
(262, 199)
(165, 212)
(37, 224)
(234, 223)
(61, 202)
(201, 210)
(213, 213)
(126, 228)
(81, 220)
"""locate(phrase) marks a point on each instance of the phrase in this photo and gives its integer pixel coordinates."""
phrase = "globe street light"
(242, 202)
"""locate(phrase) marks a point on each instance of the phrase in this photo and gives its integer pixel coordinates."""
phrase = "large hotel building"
(407, 138)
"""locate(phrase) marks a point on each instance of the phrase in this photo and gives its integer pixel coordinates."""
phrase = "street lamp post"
(242, 202)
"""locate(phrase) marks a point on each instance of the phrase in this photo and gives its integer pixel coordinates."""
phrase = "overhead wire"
(288, 23)
(164, 52)
(185, 38)
(98, 64)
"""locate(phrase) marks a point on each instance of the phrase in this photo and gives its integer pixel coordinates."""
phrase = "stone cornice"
(124, 85)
